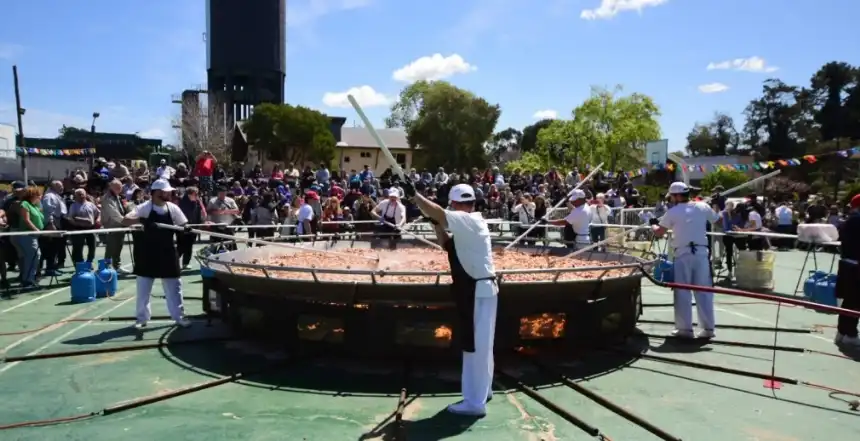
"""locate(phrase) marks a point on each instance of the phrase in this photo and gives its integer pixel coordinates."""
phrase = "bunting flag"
(757, 166)
(29, 151)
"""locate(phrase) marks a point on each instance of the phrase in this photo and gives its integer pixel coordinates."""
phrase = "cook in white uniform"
(473, 282)
(579, 220)
(392, 213)
(688, 220)
(157, 256)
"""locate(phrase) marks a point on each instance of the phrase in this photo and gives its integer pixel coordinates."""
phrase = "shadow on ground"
(324, 374)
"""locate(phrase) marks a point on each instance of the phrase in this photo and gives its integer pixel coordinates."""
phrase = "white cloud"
(611, 8)
(305, 12)
(433, 67)
(751, 64)
(545, 114)
(713, 88)
(9, 51)
(365, 95)
(153, 133)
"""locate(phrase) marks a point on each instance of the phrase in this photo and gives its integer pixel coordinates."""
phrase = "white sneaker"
(462, 409)
(183, 323)
(139, 325)
(681, 334)
(844, 340)
(706, 334)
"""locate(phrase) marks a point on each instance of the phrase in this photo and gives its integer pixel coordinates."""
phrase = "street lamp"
(93, 135)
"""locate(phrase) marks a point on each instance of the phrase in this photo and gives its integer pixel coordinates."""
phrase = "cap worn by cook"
(161, 184)
(576, 195)
(679, 188)
(461, 193)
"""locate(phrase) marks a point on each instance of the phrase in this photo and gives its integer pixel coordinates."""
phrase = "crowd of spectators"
(302, 201)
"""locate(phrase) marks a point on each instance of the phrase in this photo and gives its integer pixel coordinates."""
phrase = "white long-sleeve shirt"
(525, 212)
(387, 209)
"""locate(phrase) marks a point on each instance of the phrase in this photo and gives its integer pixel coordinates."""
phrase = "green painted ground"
(317, 401)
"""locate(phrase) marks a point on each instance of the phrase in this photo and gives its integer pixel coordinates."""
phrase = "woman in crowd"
(362, 209)
(729, 218)
(265, 213)
(192, 208)
(540, 211)
(277, 173)
(30, 218)
(332, 213)
(525, 215)
(749, 221)
(600, 216)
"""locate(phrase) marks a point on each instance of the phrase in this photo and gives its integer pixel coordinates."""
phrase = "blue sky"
(125, 58)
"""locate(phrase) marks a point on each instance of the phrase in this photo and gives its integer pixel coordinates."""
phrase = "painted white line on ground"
(50, 328)
(766, 322)
(35, 299)
(60, 338)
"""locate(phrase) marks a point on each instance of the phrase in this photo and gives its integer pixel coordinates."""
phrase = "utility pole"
(20, 112)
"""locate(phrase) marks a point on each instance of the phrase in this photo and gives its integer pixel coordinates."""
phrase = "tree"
(726, 178)
(528, 162)
(829, 87)
(779, 123)
(69, 132)
(717, 138)
(449, 124)
(504, 144)
(617, 127)
(289, 133)
(781, 188)
(203, 130)
(565, 142)
(530, 134)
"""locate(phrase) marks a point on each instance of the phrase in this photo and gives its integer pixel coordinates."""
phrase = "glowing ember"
(442, 333)
(542, 326)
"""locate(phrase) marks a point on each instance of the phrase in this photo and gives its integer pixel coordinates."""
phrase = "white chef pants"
(693, 269)
(478, 366)
(172, 293)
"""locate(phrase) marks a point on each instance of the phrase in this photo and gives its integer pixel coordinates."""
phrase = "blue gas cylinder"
(106, 279)
(664, 270)
(825, 290)
(809, 286)
(83, 284)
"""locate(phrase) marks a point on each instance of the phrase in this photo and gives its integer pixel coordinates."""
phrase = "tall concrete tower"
(246, 56)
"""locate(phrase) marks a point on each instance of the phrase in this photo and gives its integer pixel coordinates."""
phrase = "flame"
(542, 326)
(442, 333)
(361, 306)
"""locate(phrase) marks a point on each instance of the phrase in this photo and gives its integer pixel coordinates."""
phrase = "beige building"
(357, 149)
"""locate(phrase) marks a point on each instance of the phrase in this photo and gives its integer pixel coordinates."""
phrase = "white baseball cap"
(461, 193)
(393, 193)
(679, 188)
(161, 184)
(577, 194)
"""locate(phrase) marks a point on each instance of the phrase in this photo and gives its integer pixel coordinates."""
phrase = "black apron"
(463, 290)
(387, 230)
(156, 251)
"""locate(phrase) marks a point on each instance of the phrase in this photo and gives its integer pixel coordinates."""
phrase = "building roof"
(361, 138)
